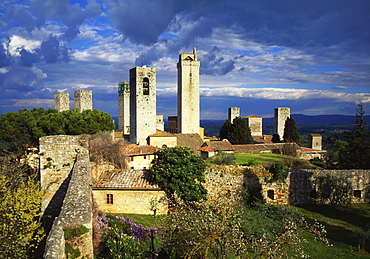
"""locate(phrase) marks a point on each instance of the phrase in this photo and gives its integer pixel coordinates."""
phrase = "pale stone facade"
(124, 107)
(129, 201)
(61, 101)
(83, 100)
(163, 139)
(233, 112)
(142, 104)
(315, 141)
(188, 101)
(280, 116)
(255, 124)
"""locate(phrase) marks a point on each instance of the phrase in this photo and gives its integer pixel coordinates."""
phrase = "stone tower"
(83, 100)
(61, 101)
(124, 107)
(188, 93)
(142, 104)
(255, 124)
(280, 116)
(315, 141)
(233, 112)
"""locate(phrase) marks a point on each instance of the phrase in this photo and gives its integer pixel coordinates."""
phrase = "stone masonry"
(280, 116)
(83, 100)
(61, 101)
(233, 112)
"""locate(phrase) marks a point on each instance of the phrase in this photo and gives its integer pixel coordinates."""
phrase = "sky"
(312, 56)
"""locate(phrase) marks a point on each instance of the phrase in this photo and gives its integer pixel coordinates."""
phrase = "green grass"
(264, 158)
(339, 222)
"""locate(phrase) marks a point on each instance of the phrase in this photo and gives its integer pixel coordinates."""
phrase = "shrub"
(224, 159)
(278, 171)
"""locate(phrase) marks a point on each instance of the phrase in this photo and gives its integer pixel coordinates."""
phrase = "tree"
(237, 132)
(27, 126)
(357, 153)
(180, 173)
(291, 131)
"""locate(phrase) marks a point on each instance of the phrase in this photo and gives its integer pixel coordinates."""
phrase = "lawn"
(263, 159)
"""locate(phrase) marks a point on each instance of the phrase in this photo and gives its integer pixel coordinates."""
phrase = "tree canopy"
(291, 131)
(27, 126)
(356, 154)
(180, 173)
(237, 132)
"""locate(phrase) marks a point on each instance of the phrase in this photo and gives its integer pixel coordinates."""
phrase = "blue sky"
(312, 56)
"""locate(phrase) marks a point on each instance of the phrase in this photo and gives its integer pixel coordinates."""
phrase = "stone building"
(315, 141)
(255, 124)
(61, 101)
(280, 116)
(188, 101)
(142, 104)
(83, 100)
(233, 112)
(124, 107)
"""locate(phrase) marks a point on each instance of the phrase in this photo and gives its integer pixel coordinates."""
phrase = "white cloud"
(17, 42)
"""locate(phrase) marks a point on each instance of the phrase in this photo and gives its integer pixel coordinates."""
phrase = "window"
(357, 193)
(109, 198)
(270, 194)
(313, 194)
(144, 156)
(131, 158)
(146, 86)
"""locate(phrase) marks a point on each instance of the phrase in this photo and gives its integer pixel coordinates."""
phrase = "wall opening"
(109, 198)
(357, 193)
(270, 194)
(146, 86)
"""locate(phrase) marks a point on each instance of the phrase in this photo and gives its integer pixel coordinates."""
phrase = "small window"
(109, 198)
(270, 194)
(146, 86)
(131, 158)
(132, 167)
(144, 156)
(144, 167)
(313, 194)
(357, 193)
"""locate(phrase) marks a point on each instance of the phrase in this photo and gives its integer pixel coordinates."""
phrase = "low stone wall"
(76, 211)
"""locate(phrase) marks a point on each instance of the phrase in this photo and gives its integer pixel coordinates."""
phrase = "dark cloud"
(213, 63)
(52, 51)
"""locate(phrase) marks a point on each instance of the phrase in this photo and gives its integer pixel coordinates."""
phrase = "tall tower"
(280, 116)
(233, 112)
(188, 92)
(124, 107)
(83, 100)
(142, 104)
(61, 101)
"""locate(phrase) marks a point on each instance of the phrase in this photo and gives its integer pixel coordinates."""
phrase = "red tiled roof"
(141, 150)
(207, 149)
(223, 145)
(161, 133)
(126, 179)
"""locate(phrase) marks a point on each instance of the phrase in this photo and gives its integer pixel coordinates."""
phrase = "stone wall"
(76, 211)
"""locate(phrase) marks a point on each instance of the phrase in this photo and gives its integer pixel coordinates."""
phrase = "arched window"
(146, 86)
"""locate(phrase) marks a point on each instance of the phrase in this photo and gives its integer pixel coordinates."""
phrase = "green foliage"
(291, 131)
(180, 173)
(276, 138)
(223, 159)
(20, 199)
(357, 153)
(332, 189)
(27, 126)
(72, 236)
(237, 132)
(278, 171)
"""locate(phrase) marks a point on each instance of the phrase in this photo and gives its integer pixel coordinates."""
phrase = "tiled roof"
(223, 145)
(191, 140)
(126, 179)
(207, 149)
(161, 133)
(252, 116)
(141, 150)
(310, 150)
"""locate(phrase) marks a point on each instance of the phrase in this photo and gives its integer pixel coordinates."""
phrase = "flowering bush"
(122, 238)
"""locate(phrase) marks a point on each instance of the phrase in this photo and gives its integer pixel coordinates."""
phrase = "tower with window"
(188, 101)
(124, 107)
(142, 104)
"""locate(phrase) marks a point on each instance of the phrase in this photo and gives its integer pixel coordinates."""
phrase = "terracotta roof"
(207, 149)
(126, 179)
(252, 116)
(141, 150)
(310, 150)
(161, 133)
(191, 140)
(223, 145)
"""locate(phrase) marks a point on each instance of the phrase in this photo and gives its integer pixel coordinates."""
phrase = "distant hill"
(320, 119)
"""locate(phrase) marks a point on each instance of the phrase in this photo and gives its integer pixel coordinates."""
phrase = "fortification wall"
(76, 211)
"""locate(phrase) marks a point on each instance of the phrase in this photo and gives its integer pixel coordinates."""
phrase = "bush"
(278, 171)
(224, 159)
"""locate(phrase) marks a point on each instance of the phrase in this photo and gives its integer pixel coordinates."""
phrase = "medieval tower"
(188, 93)
(233, 112)
(280, 116)
(61, 101)
(142, 104)
(124, 107)
(83, 100)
